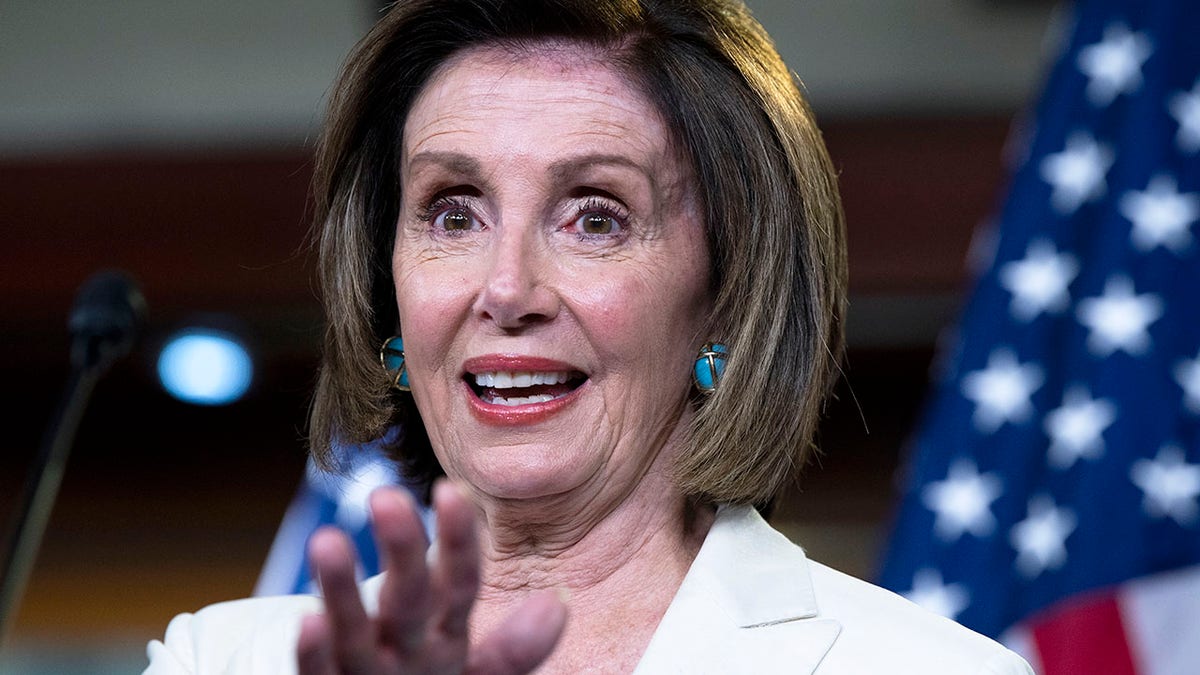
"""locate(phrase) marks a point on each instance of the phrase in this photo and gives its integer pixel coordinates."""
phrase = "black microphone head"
(108, 314)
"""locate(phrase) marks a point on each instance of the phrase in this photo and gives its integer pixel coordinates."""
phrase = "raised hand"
(423, 614)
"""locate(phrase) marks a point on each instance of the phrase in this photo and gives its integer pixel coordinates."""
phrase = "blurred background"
(173, 140)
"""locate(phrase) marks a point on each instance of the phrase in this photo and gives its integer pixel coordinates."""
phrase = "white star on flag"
(1041, 539)
(930, 592)
(1076, 427)
(1076, 175)
(1169, 484)
(1185, 108)
(1161, 215)
(1039, 281)
(1119, 319)
(962, 502)
(1114, 65)
(1187, 374)
(1001, 391)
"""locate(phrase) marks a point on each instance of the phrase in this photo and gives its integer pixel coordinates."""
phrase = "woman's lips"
(510, 390)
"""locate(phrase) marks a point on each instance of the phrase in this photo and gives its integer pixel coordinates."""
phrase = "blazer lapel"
(746, 605)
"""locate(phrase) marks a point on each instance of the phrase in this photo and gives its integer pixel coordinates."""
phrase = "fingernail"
(386, 492)
(564, 595)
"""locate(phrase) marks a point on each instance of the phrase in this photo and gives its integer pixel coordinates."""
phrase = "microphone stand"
(104, 322)
(40, 491)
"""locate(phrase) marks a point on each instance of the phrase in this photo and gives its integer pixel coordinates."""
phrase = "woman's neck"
(598, 556)
(581, 550)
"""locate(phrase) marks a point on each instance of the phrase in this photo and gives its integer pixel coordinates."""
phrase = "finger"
(314, 654)
(456, 571)
(524, 640)
(353, 636)
(404, 597)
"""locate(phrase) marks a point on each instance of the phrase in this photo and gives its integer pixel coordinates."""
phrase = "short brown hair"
(768, 194)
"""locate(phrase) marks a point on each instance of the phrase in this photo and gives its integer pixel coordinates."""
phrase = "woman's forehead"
(554, 94)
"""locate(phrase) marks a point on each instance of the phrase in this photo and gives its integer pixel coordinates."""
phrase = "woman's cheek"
(432, 283)
(614, 309)
(433, 305)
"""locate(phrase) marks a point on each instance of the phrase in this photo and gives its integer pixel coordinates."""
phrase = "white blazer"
(750, 603)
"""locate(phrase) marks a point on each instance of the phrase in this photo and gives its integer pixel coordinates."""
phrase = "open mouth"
(514, 388)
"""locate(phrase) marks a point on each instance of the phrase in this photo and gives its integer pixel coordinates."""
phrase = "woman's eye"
(451, 217)
(456, 220)
(599, 217)
(598, 223)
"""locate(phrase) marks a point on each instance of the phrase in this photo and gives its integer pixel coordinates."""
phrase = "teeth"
(522, 400)
(511, 379)
(551, 378)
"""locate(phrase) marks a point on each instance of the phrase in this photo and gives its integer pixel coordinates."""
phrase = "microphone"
(108, 314)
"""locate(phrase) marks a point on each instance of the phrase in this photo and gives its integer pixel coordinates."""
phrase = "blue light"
(205, 367)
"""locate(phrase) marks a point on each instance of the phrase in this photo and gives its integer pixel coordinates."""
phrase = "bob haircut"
(768, 195)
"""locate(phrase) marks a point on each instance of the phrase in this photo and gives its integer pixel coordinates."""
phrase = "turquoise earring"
(391, 357)
(710, 365)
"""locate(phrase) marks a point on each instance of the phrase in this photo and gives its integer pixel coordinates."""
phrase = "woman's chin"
(526, 473)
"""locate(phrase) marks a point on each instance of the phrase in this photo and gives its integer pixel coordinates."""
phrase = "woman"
(562, 209)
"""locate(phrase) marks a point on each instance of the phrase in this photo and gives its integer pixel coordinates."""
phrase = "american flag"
(1051, 496)
(331, 498)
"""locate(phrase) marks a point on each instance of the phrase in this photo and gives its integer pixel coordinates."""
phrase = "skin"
(545, 213)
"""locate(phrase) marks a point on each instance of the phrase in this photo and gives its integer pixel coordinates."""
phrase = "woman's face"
(551, 273)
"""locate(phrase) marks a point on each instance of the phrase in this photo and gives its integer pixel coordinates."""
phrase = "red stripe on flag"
(1083, 635)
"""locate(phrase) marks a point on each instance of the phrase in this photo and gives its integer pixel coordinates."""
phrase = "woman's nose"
(515, 294)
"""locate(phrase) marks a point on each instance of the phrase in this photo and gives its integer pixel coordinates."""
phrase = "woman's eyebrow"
(573, 166)
(560, 171)
(454, 162)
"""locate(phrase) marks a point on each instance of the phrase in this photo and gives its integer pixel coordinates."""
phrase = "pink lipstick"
(513, 390)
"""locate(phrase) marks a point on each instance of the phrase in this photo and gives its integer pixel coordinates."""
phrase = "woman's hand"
(423, 611)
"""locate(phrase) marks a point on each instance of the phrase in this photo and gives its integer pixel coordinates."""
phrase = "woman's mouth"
(518, 388)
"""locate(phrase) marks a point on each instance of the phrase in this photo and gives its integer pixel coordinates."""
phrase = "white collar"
(746, 605)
